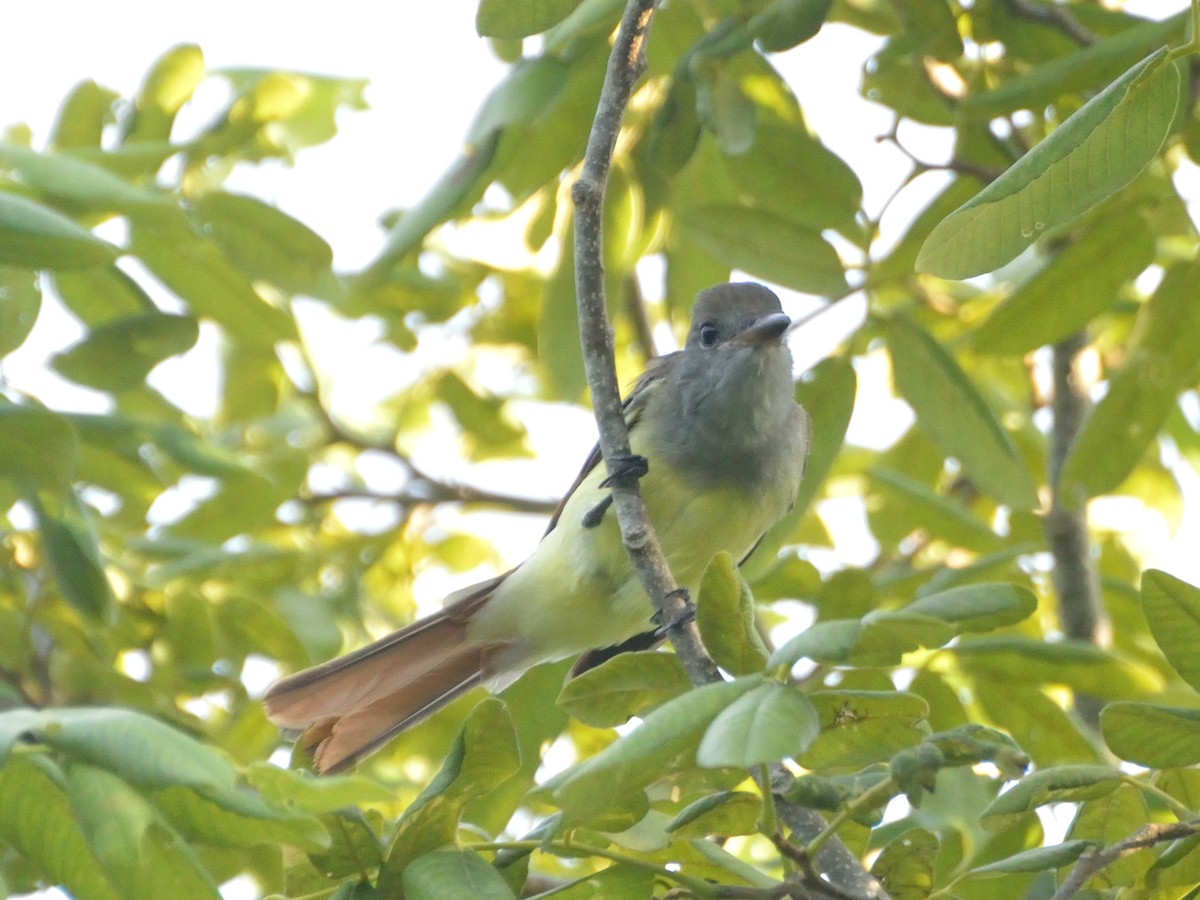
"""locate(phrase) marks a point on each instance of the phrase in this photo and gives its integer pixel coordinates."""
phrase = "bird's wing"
(632, 407)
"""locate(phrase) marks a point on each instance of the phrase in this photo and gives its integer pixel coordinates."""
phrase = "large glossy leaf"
(627, 685)
(266, 243)
(454, 873)
(606, 780)
(1089, 157)
(484, 755)
(952, 412)
(772, 722)
(1141, 395)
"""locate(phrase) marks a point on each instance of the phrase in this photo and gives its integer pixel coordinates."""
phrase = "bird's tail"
(350, 706)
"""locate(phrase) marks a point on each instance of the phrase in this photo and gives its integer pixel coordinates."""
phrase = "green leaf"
(882, 637)
(739, 868)
(1141, 394)
(453, 873)
(118, 355)
(977, 607)
(1061, 784)
(483, 416)
(626, 766)
(83, 115)
(103, 736)
(527, 92)
(253, 823)
(766, 245)
(70, 547)
(830, 642)
(1037, 859)
(1109, 820)
(905, 865)
(484, 755)
(1162, 737)
(169, 83)
(265, 243)
(1091, 156)
(952, 413)
(1077, 70)
(33, 236)
(1080, 665)
(78, 184)
(38, 448)
(729, 114)
(725, 812)
(770, 723)
(859, 728)
(98, 295)
(502, 19)
(1172, 609)
(39, 824)
(627, 685)
(1077, 284)
(20, 302)
(725, 617)
(138, 851)
(196, 270)
(785, 24)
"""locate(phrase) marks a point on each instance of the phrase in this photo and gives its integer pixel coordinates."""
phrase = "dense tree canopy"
(155, 562)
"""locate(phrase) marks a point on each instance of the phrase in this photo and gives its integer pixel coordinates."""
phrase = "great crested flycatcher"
(725, 444)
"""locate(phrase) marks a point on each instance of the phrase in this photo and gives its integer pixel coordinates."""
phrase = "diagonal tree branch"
(625, 66)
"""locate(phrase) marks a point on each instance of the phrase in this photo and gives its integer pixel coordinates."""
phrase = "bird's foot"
(624, 468)
(685, 617)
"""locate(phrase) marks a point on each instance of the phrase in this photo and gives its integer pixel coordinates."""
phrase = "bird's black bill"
(768, 329)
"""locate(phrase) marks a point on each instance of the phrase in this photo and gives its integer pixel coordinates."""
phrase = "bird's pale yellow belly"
(577, 591)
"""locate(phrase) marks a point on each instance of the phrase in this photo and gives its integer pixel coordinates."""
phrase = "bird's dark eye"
(708, 334)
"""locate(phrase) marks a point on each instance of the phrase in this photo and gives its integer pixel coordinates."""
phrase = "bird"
(720, 444)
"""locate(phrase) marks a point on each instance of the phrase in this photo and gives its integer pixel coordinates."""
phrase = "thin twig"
(625, 66)
(1055, 15)
(1097, 858)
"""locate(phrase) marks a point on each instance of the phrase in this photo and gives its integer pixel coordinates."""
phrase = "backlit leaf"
(1092, 155)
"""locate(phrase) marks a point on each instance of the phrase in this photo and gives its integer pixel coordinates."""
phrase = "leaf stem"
(697, 886)
(866, 800)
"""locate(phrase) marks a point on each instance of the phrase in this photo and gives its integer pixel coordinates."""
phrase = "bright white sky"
(428, 72)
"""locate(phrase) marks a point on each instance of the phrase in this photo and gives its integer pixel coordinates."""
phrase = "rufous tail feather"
(352, 705)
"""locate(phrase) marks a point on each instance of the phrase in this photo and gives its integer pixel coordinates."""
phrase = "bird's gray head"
(747, 313)
(727, 407)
